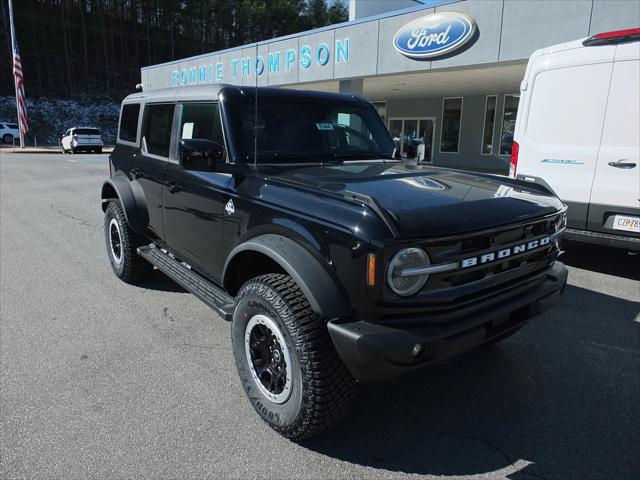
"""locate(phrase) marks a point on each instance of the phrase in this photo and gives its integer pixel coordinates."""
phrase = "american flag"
(22, 107)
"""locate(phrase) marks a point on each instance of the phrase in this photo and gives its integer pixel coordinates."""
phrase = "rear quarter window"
(129, 122)
(87, 131)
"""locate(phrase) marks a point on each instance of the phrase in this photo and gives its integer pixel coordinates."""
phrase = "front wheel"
(122, 244)
(7, 138)
(287, 363)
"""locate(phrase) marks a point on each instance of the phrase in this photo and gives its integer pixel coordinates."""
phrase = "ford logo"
(434, 35)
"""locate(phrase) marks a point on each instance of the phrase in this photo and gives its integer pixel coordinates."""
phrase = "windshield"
(295, 129)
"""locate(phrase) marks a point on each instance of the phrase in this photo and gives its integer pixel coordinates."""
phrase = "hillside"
(50, 117)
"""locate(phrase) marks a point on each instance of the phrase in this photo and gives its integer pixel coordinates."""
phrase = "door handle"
(622, 163)
(136, 173)
(173, 187)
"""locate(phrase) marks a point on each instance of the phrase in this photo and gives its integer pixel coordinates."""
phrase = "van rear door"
(615, 195)
(560, 124)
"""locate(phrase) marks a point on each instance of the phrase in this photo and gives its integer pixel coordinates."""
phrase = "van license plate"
(627, 223)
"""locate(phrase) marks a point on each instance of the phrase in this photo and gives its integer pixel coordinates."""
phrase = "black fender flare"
(131, 198)
(320, 289)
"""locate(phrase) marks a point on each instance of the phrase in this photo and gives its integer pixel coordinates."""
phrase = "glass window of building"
(489, 123)
(451, 122)
(508, 123)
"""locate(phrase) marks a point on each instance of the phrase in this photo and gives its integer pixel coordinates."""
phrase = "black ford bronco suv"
(288, 213)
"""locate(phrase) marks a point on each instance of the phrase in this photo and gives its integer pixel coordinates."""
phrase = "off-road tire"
(132, 267)
(322, 389)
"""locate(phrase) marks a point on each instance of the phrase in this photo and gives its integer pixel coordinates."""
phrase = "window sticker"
(324, 126)
(187, 131)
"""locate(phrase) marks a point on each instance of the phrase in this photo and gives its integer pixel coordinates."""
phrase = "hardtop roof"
(211, 91)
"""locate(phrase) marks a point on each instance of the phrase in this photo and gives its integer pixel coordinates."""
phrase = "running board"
(182, 274)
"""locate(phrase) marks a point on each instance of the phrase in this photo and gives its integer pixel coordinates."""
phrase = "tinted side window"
(201, 121)
(157, 128)
(129, 122)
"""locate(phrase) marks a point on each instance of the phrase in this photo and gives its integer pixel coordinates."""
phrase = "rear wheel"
(122, 244)
(287, 363)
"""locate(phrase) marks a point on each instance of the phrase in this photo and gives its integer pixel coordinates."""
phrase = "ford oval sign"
(434, 35)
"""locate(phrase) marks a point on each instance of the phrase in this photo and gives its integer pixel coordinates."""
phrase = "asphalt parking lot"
(99, 379)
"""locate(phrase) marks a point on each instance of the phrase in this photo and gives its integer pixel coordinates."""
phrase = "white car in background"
(8, 132)
(578, 130)
(78, 139)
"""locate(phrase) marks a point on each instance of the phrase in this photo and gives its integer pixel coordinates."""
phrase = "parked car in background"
(578, 130)
(9, 131)
(81, 139)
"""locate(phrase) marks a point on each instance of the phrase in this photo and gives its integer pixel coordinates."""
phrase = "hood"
(424, 200)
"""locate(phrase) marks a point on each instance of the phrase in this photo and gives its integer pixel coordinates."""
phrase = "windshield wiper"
(357, 154)
(275, 156)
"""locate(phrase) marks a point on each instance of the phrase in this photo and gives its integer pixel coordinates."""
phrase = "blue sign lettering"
(322, 54)
(302, 58)
(342, 50)
(274, 62)
(245, 67)
(305, 57)
(259, 65)
(290, 57)
(434, 35)
(234, 66)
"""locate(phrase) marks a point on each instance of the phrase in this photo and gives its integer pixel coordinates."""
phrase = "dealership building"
(446, 72)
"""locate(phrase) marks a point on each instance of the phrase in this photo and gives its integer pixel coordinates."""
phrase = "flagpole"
(15, 80)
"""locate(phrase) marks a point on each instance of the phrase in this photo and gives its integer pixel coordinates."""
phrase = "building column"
(352, 87)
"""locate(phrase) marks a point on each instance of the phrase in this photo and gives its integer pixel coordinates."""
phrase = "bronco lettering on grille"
(505, 252)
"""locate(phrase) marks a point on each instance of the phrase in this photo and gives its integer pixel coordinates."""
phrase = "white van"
(578, 131)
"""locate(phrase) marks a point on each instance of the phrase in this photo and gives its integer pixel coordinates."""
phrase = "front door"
(405, 130)
(194, 200)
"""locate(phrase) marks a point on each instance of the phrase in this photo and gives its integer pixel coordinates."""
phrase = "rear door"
(149, 167)
(563, 112)
(615, 195)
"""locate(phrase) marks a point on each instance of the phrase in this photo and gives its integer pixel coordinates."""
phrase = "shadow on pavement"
(607, 260)
(557, 400)
(159, 281)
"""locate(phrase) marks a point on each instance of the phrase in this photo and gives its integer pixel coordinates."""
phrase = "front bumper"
(375, 351)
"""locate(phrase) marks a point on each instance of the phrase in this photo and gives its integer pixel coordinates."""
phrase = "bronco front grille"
(490, 276)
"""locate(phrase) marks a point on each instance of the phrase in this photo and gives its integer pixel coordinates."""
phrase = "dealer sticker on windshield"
(324, 126)
(627, 223)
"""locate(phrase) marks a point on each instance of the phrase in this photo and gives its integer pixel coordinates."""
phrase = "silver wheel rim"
(280, 353)
(115, 241)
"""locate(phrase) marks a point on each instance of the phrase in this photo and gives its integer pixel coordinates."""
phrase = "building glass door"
(405, 130)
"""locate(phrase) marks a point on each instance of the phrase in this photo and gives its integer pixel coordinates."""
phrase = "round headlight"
(401, 279)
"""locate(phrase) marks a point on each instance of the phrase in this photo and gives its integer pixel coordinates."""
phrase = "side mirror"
(200, 154)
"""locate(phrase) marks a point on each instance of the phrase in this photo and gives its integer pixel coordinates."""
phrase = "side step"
(179, 272)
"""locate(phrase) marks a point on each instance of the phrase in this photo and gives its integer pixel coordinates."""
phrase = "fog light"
(417, 349)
